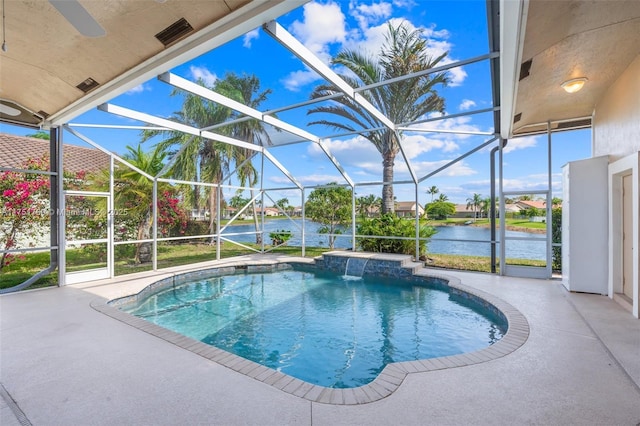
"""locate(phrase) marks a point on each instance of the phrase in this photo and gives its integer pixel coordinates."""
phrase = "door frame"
(96, 273)
(629, 165)
(543, 272)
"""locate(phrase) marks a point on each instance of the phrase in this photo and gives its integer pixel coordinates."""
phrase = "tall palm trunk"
(143, 250)
(387, 176)
(213, 211)
(255, 219)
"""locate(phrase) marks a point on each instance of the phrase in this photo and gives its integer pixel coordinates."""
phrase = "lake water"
(525, 248)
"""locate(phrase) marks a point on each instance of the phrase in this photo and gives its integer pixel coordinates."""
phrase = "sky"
(327, 27)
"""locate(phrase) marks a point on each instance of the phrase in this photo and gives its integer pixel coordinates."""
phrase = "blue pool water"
(325, 329)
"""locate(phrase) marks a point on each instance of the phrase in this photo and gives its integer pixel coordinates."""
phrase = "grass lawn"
(513, 224)
(168, 256)
(474, 263)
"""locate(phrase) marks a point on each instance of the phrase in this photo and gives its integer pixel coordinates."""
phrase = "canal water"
(448, 239)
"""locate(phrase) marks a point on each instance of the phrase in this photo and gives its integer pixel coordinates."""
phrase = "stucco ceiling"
(565, 40)
(47, 57)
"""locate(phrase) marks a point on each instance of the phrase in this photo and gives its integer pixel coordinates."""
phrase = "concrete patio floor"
(64, 363)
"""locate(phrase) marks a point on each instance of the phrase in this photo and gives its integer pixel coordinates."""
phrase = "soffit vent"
(517, 117)
(575, 124)
(41, 114)
(174, 32)
(525, 69)
(88, 85)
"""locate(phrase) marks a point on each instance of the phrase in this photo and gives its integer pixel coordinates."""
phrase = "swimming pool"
(320, 327)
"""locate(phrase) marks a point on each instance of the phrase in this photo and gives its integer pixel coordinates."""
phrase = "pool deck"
(62, 362)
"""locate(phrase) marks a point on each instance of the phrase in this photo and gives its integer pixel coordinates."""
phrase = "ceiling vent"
(525, 69)
(88, 85)
(517, 117)
(174, 32)
(575, 124)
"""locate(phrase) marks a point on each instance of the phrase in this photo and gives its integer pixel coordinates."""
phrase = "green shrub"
(389, 225)
(280, 237)
(556, 237)
(196, 227)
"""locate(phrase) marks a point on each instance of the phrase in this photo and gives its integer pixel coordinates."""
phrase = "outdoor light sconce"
(573, 85)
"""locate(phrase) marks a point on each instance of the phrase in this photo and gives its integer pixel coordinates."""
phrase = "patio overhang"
(65, 58)
(546, 43)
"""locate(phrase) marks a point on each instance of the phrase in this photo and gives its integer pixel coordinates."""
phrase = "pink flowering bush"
(24, 206)
(172, 218)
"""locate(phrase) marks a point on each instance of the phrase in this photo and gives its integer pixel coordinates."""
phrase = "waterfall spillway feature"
(355, 267)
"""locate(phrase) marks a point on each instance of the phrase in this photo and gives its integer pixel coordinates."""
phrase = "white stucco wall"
(616, 133)
(616, 124)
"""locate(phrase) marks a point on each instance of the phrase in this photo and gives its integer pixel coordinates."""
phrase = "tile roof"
(14, 150)
(464, 208)
(406, 205)
(532, 203)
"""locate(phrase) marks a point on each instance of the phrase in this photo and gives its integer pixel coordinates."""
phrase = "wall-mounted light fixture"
(573, 85)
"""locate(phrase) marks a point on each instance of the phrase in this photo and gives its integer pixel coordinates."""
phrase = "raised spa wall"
(386, 265)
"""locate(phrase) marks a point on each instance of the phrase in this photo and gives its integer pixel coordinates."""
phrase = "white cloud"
(322, 24)
(203, 73)
(138, 89)
(360, 154)
(355, 151)
(520, 143)
(297, 79)
(246, 40)
(422, 168)
(408, 4)
(448, 126)
(466, 104)
(367, 14)
(310, 180)
(416, 144)
(456, 75)
(526, 183)
(368, 40)
(371, 39)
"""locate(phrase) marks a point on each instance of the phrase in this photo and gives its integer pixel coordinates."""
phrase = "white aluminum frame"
(307, 57)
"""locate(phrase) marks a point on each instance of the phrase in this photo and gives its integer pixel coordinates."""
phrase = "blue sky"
(326, 27)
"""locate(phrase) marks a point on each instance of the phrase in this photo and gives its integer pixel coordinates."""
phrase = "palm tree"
(282, 203)
(443, 198)
(197, 158)
(475, 202)
(485, 207)
(136, 191)
(404, 52)
(365, 204)
(433, 191)
(246, 89)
